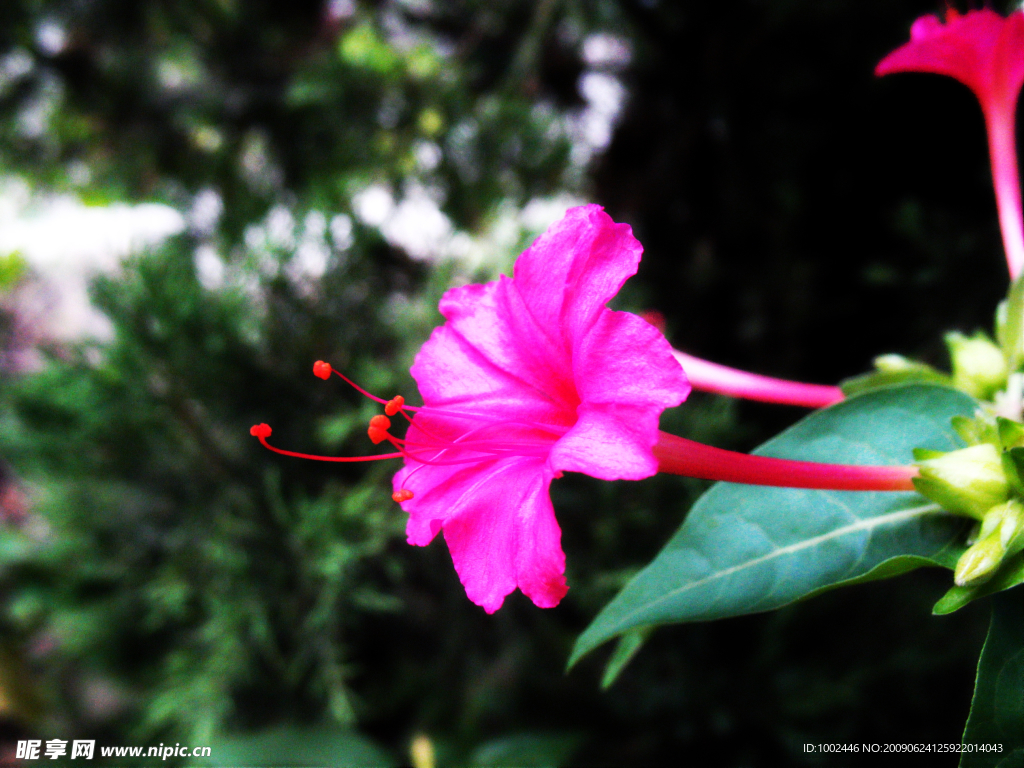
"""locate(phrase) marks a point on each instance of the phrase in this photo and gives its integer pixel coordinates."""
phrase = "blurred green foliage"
(173, 581)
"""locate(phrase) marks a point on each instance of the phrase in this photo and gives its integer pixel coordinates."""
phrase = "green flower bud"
(1011, 433)
(979, 366)
(1000, 535)
(1006, 520)
(979, 562)
(967, 482)
(979, 428)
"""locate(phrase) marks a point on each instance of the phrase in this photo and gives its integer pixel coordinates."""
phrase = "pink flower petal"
(642, 370)
(490, 355)
(610, 441)
(623, 395)
(981, 49)
(502, 534)
(575, 268)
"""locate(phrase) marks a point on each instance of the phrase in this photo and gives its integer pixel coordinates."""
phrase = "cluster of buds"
(984, 482)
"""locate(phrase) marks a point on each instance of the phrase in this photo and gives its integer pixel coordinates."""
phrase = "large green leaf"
(996, 721)
(744, 549)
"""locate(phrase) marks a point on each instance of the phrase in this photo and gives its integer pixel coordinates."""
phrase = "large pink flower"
(533, 376)
(985, 52)
(529, 377)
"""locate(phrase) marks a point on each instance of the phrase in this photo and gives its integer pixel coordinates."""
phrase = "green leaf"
(1010, 574)
(627, 647)
(745, 549)
(997, 710)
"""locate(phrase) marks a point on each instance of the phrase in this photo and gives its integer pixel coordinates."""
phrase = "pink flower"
(530, 377)
(533, 376)
(985, 52)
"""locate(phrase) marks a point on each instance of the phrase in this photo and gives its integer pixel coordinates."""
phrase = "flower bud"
(979, 367)
(1007, 520)
(979, 562)
(969, 481)
(1011, 433)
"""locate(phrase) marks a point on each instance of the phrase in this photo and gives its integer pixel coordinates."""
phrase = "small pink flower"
(530, 377)
(985, 52)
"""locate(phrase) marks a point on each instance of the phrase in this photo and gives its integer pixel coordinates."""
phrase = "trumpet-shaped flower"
(985, 52)
(533, 376)
(530, 377)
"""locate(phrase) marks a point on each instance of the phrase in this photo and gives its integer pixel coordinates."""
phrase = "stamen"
(262, 432)
(378, 430)
(429, 449)
(357, 388)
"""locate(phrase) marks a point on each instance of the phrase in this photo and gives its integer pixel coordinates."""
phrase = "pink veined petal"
(502, 534)
(495, 323)
(623, 395)
(624, 359)
(575, 268)
(1008, 58)
(963, 48)
(451, 371)
(610, 441)
(540, 561)
(438, 475)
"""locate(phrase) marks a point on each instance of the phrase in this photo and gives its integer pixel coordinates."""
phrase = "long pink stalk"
(1002, 152)
(679, 456)
(712, 377)
(985, 52)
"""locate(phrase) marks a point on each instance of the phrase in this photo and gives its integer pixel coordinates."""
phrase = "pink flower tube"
(533, 376)
(679, 456)
(712, 377)
(985, 52)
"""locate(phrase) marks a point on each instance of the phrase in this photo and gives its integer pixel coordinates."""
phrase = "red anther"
(260, 430)
(394, 405)
(379, 426)
(402, 495)
(322, 370)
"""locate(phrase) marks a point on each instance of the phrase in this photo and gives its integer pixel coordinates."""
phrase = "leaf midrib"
(861, 525)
